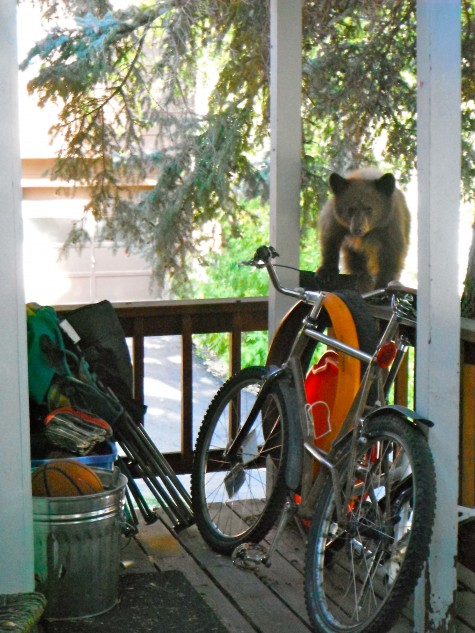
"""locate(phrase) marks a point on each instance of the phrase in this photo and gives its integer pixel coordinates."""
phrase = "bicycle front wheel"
(362, 570)
(237, 501)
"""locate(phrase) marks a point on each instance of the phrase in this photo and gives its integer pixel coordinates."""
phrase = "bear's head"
(362, 204)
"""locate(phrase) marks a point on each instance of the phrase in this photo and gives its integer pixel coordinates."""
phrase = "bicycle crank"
(248, 556)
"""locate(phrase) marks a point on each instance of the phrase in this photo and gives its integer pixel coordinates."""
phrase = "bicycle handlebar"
(264, 256)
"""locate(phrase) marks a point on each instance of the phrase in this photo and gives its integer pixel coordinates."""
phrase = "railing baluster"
(401, 386)
(138, 361)
(187, 388)
(235, 346)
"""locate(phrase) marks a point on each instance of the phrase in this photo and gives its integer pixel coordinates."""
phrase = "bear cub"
(367, 223)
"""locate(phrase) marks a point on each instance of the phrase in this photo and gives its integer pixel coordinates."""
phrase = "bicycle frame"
(358, 412)
(312, 435)
(352, 422)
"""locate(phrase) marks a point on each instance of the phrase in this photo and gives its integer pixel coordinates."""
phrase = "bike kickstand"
(248, 556)
(289, 511)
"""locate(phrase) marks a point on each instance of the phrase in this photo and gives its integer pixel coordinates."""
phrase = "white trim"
(285, 163)
(16, 540)
(438, 323)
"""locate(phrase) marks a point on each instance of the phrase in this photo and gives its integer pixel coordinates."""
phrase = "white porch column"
(285, 167)
(438, 331)
(16, 532)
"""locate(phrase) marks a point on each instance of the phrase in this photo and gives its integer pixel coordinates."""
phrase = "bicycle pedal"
(249, 556)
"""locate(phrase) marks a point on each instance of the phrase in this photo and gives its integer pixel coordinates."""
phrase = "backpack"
(58, 376)
(46, 350)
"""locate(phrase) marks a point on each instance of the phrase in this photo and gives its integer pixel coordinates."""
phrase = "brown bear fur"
(366, 221)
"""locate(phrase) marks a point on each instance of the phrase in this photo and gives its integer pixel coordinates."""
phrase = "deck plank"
(133, 558)
(259, 596)
(166, 552)
(268, 600)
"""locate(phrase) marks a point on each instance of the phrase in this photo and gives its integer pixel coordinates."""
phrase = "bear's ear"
(338, 184)
(386, 184)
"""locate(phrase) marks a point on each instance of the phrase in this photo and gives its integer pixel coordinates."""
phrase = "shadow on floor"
(159, 602)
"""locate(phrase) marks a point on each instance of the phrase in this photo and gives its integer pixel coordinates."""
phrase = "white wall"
(16, 541)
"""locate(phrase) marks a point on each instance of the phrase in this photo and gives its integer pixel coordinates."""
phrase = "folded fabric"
(68, 391)
(75, 430)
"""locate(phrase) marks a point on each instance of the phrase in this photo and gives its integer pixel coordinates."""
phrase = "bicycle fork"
(249, 556)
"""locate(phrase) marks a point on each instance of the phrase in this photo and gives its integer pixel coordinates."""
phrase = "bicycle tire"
(357, 319)
(364, 322)
(238, 502)
(359, 577)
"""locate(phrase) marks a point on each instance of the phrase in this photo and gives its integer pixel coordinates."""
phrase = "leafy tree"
(127, 82)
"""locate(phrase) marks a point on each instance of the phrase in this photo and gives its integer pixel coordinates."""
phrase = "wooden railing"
(235, 316)
(186, 318)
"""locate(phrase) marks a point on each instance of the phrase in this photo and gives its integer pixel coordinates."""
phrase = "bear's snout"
(359, 225)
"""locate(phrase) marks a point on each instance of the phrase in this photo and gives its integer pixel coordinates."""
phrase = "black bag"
(103, 345)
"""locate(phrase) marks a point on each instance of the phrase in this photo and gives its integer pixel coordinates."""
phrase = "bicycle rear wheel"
(330, 320)
(237, 501)
(359, 575)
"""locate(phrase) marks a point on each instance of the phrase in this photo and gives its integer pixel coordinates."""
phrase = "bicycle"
(366, 480)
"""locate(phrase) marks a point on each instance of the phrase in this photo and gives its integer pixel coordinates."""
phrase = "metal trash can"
(77, 549)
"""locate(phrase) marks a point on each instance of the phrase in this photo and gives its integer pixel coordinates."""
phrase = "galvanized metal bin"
(77, 549)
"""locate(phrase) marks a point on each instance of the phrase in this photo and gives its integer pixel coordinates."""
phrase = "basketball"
(64, 478)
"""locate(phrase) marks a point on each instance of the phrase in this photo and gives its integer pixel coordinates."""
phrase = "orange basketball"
(64, 478)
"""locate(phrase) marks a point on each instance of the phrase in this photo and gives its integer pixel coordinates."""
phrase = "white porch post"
(438, 331)
(16, 531)
(285, 168)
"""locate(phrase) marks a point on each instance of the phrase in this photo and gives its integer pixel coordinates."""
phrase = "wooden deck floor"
(268, 600)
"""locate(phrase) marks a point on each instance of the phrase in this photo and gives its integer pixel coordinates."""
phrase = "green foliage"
(468, 296)
(223, 276)
(236, 240)
(214, 350)
(128, 83)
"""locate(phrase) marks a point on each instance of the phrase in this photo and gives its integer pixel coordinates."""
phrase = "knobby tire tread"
(387, 425)
(219, 542)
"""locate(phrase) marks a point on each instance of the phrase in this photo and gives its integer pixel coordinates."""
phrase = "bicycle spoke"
(234, 497)
(359, 572)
